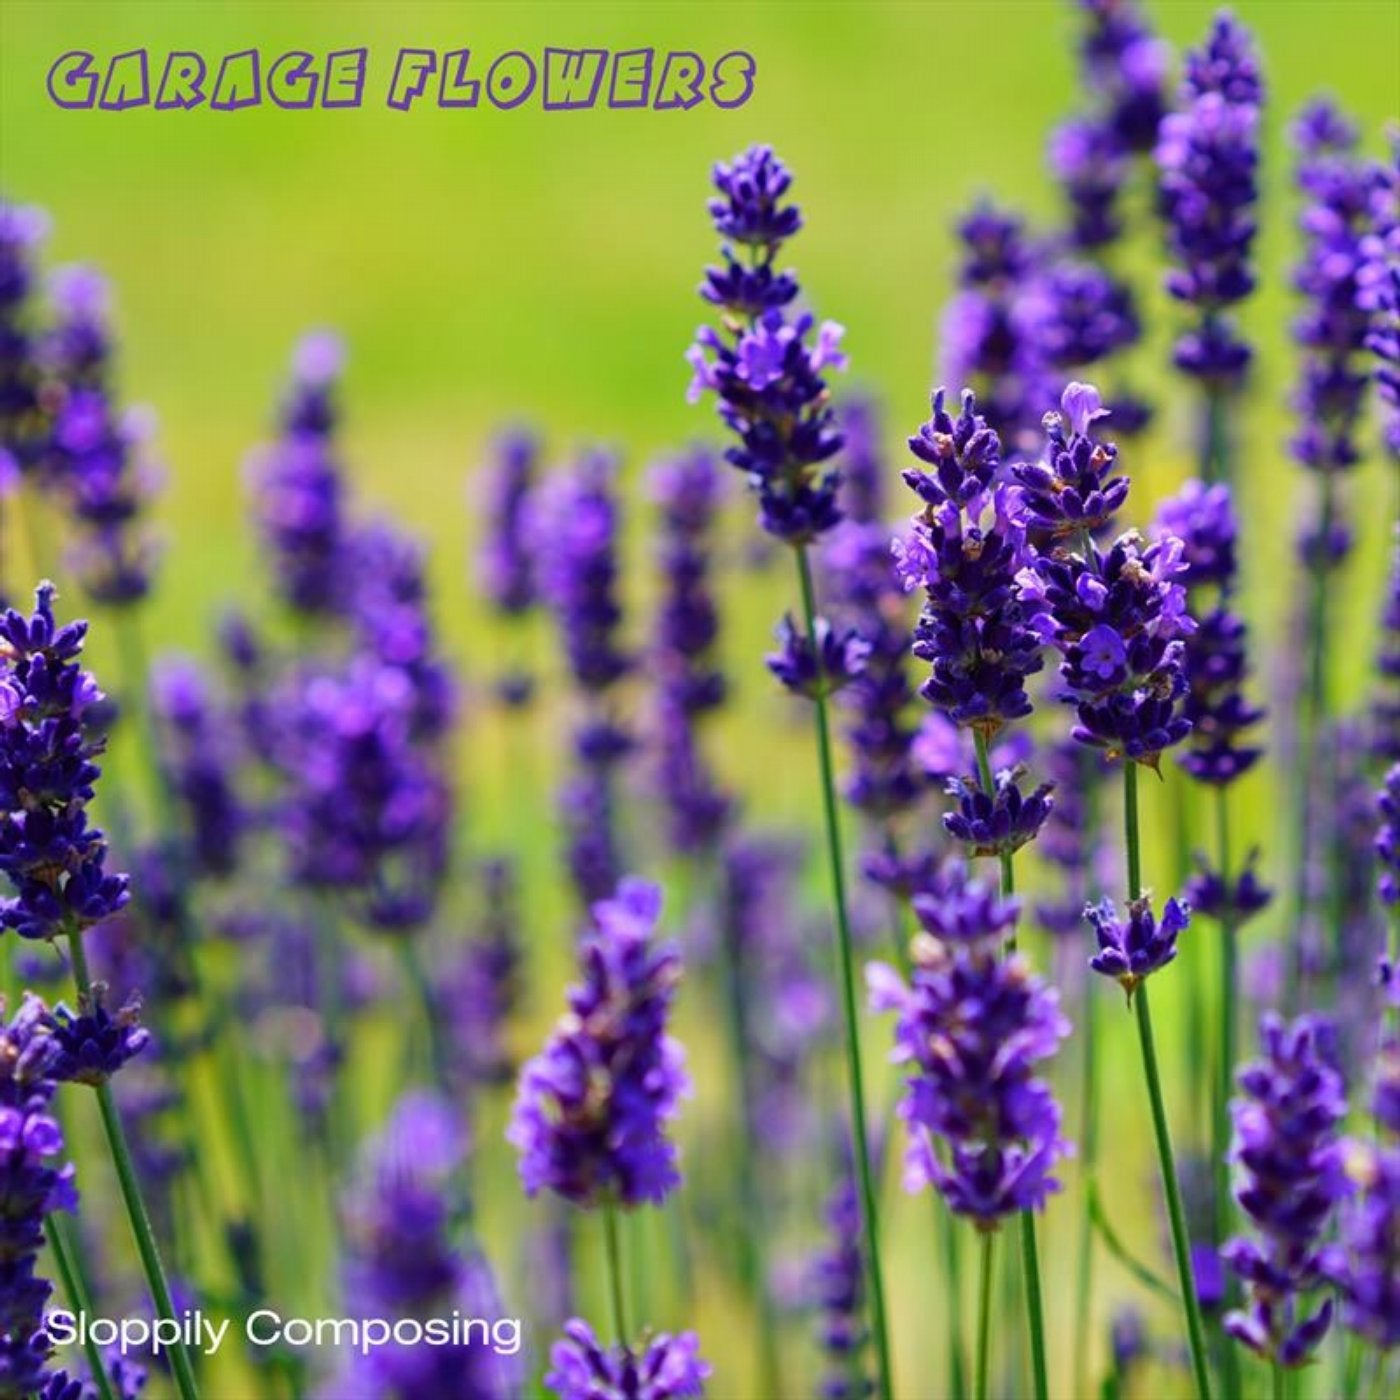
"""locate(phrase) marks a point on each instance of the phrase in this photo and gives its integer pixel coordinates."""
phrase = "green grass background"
(487, 265)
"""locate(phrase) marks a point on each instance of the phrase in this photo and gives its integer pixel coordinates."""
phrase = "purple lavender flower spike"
(400, 1222)
(55, 861)
(506, 565)
(972, 1026)
(766, 366)
(299, 499)
(592, 1108)
(1286, 1145)
(966, 549)
(32, 1185)
(821, 665)
(1125, 67)
(837, 1283)
(21, 419)
(661, 1367)
(1132, 950)
(1208, 156)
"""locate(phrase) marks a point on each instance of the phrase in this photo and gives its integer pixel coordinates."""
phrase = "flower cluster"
(1133, 949)
(661, 1367)
(1208, 156)
(1286, 1144)
(985, 1131)
(48, 751)
(98, 459)
(32, 1187)
(765, 364)
(591, 1113)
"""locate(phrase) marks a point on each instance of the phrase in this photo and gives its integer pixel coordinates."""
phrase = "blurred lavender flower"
(54, 859)
(766, 366)
(31, 1187)
(506, 565)
(819, 665)
(972, 1026)
(298, 490)
(986, 343)
(1125, 68)
(1208, 156)
(661, 1367)
(592, 1109)
(1286, 1121)
(837, 1282)
(99, 460)
(200, 756)
(399, 1224)
(688, 488)
(21, 415)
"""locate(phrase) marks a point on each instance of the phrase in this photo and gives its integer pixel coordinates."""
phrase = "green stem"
(1181, 1245)
(1220, 1137)
(614, 1252)
(131, 1192)
(75, 1288)
(1030, 1255)
(984, 1316)
(846, 959)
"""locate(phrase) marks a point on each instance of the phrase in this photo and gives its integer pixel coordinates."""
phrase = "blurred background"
(488, 266)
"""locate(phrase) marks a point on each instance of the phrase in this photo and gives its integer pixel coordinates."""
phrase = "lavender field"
(561, 840)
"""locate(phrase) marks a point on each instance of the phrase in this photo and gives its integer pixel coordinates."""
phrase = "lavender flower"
(1366, 1264)
(506, 566)
(1215, 657)
(54, 859)
(99, 459)
(1332, 327)
(21, 417)
(986, 342)
(661, 1367)
(766, 365)
(200, 757)
(91, 1045)
(838, 1289)
(1286, 1144)
(591, 1113)
(966, 550)
(1208, 155)
(31, 1187)
(298, 489)
(399, 1224)
(1125, 67)
(972, 1026)
(818, 665)
(1132, 950)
